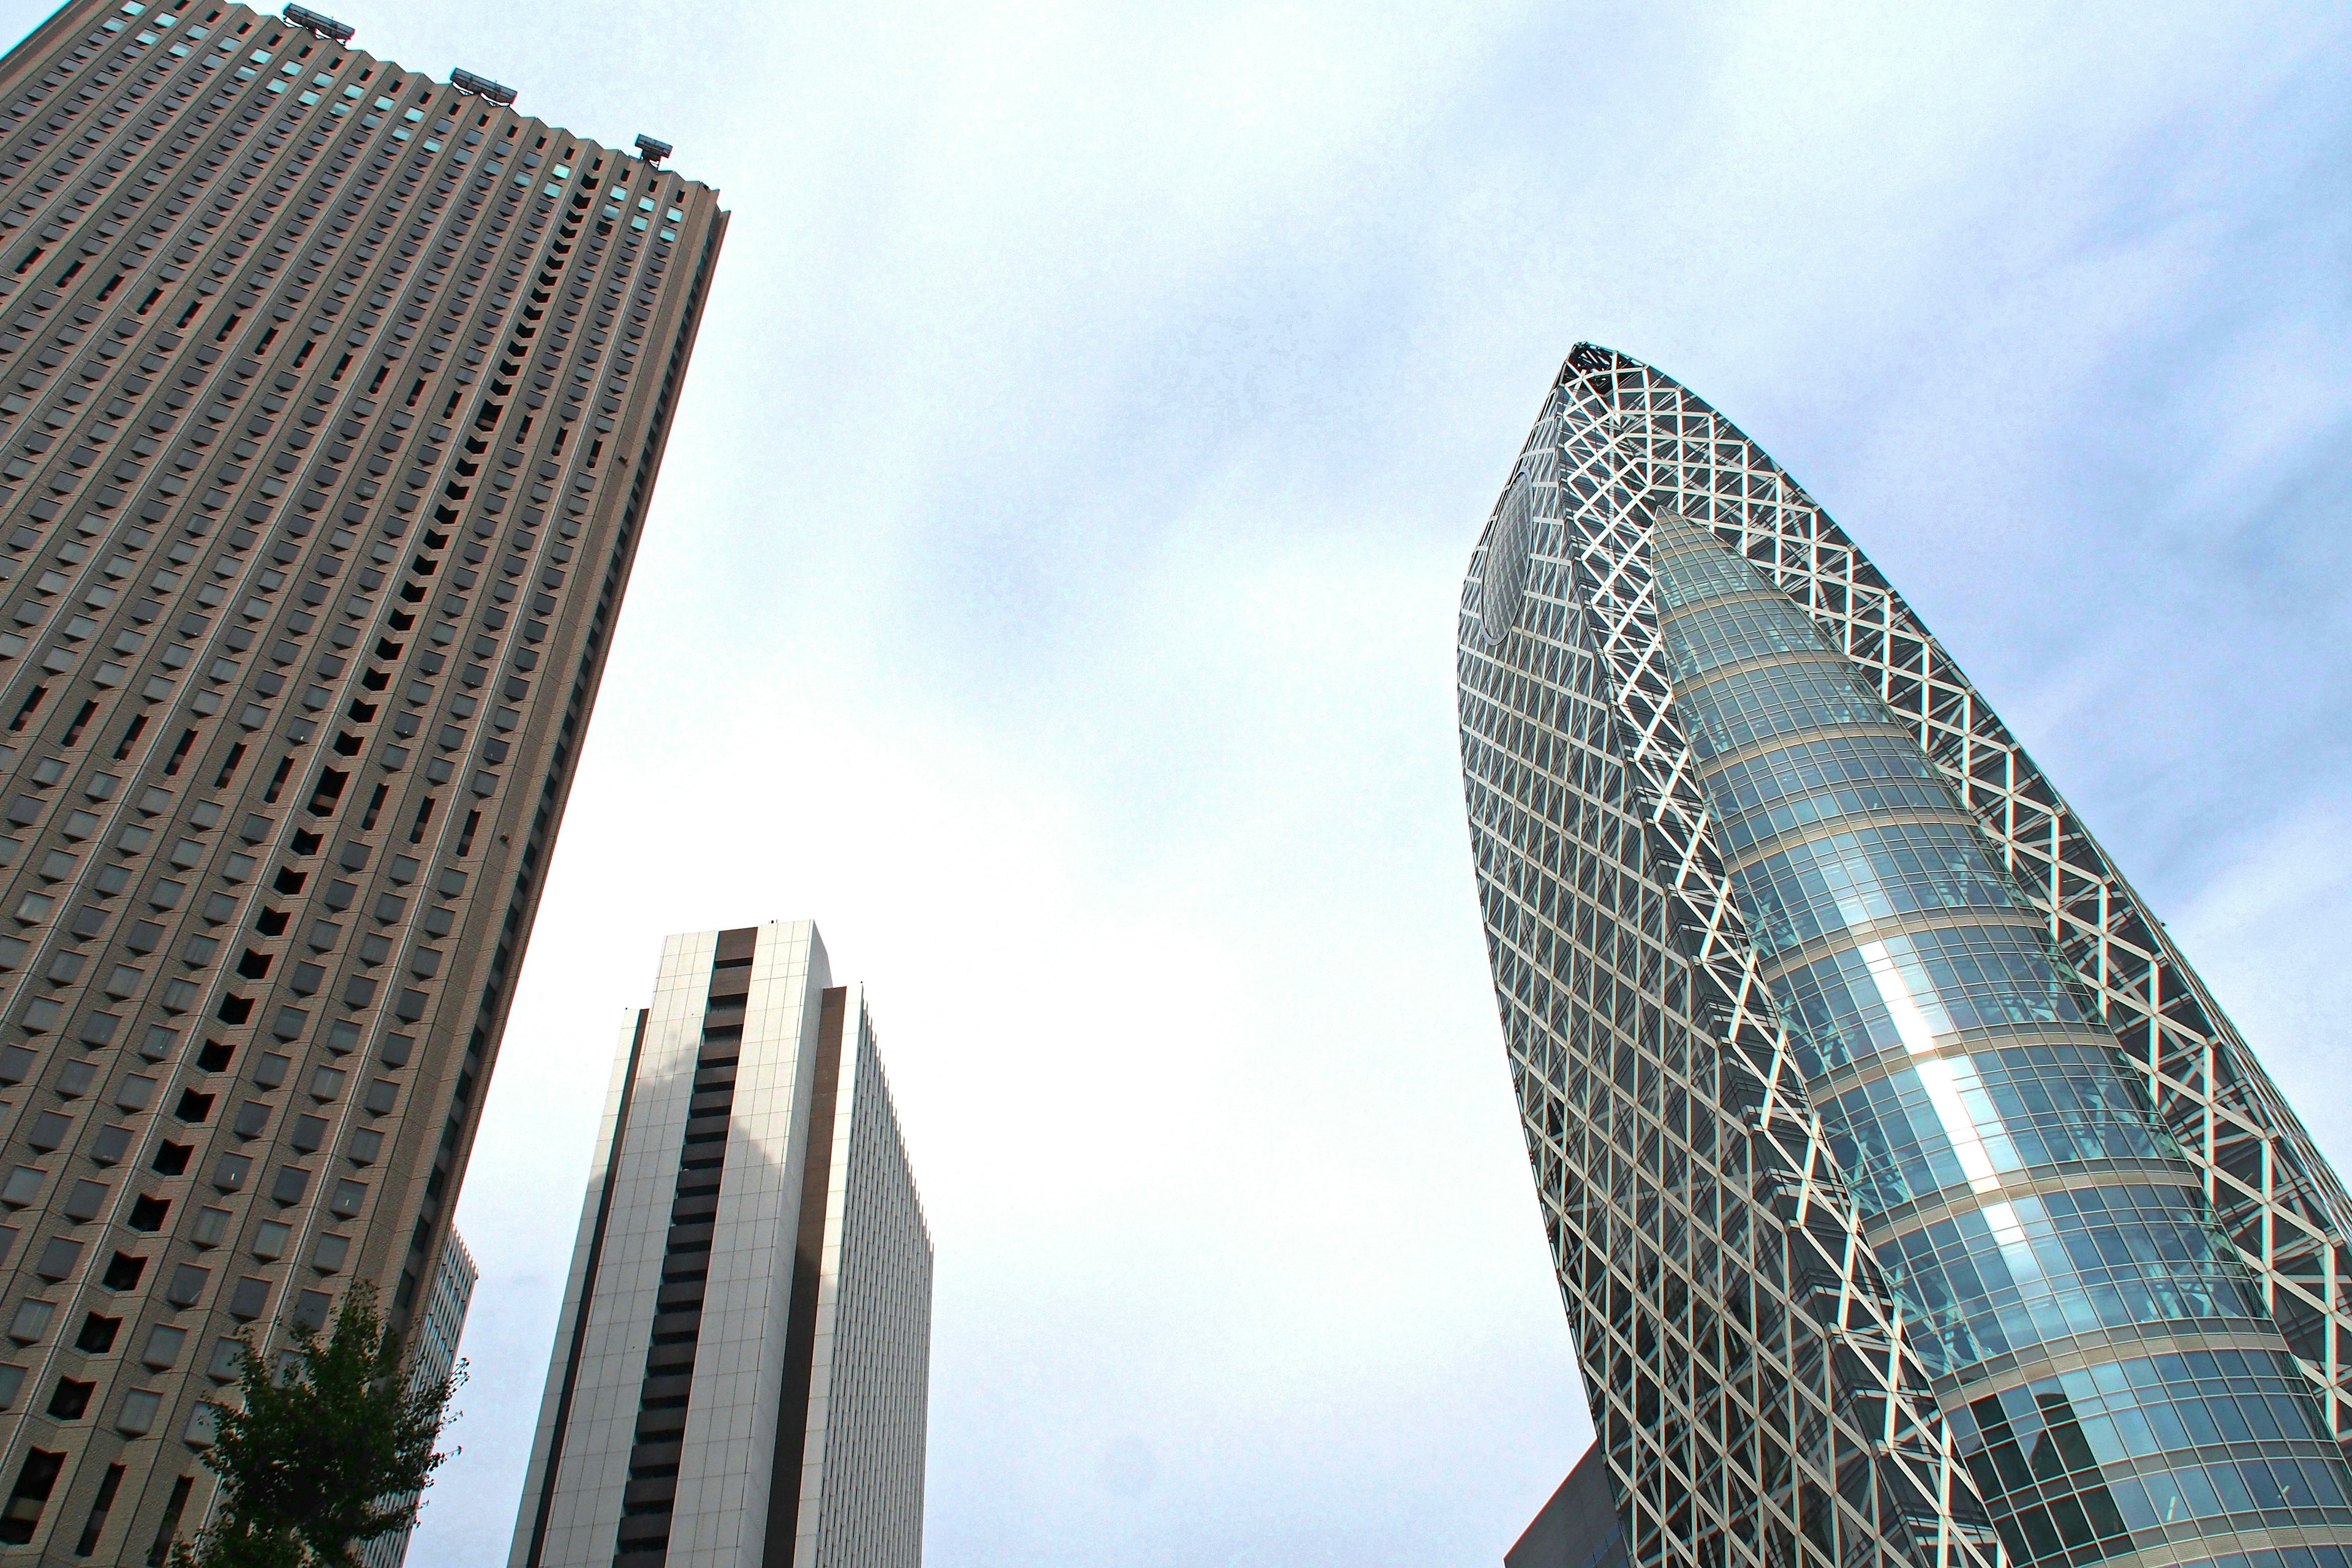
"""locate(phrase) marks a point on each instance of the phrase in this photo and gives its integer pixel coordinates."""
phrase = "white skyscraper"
(742, 1369)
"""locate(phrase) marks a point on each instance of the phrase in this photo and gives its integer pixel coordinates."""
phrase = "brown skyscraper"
(332, 399)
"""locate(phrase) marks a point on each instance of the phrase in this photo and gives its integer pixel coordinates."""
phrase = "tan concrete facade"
(331, 404)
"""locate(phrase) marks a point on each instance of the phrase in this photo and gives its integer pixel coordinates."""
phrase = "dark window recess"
(147, 1213)
(172, 1159)
(125, 1272)
(181, 1489)
(71, 1398)
(34, 1480)
(229, 765)
(329, 791)
(100, 1506)
(666, 1387)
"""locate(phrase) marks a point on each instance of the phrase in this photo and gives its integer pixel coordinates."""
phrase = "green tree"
(328, 1451)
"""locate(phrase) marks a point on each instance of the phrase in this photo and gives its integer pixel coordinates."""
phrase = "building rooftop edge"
(276, 19)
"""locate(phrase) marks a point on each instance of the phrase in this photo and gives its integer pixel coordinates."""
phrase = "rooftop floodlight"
(325, 26)
(654, 151)
(482, 86)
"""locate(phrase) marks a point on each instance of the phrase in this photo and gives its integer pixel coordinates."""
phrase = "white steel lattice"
(2276, 1197)
(1759, 1404)
(1748, 1368)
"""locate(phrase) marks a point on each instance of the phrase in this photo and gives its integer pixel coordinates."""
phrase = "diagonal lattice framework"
(2275, 1196)
(1747, 1364)
(1750, 1381)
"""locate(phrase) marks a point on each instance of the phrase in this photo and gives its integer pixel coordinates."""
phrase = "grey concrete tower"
(432, 1355)
(331, 398)
(741, 1370)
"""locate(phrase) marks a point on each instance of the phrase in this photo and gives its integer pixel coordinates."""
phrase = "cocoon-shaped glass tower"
(1910, 1198)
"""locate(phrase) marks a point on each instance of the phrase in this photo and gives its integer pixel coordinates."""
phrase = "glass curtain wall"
(1911, 1200)
(2019, 1198)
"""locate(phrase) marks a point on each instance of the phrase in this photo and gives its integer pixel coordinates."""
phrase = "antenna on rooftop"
(482, 86)
(654, 151)
(324, 26)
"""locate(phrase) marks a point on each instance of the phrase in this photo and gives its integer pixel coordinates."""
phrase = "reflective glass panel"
(2150, 1442)
(1874, 871)
(1777, 699)
(1950, 1121)
(2013, 1275)
(1904, 992)
(1829, 776)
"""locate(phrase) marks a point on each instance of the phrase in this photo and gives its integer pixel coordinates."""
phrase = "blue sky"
(1051, 585)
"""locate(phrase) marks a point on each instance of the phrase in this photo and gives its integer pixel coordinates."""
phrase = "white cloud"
(2267, 934)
